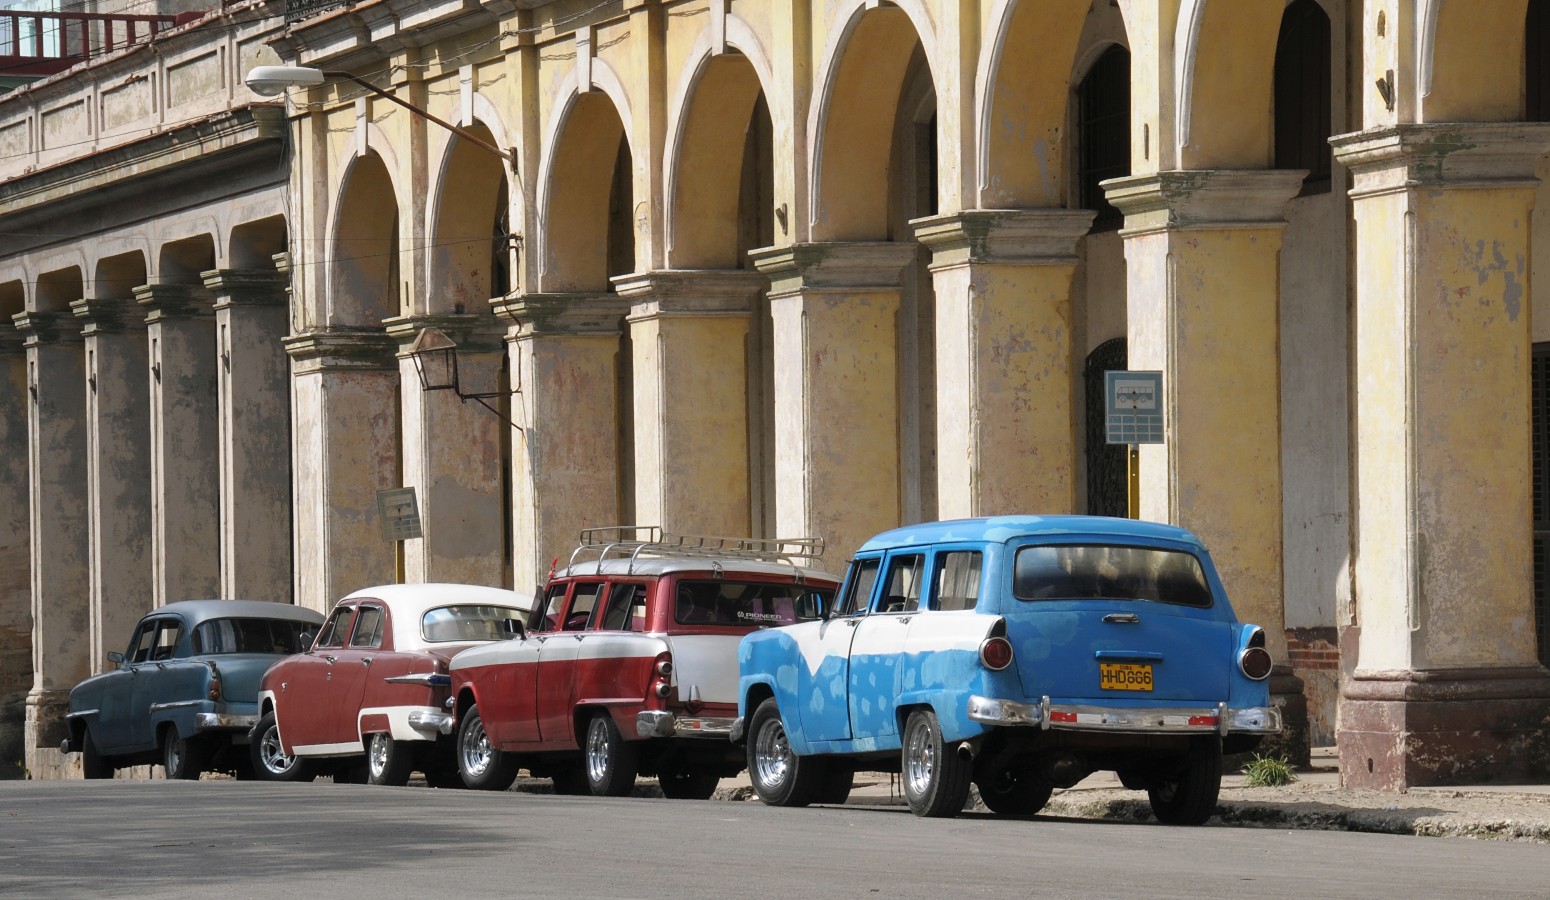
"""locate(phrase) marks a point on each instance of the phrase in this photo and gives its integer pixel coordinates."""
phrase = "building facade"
(778, 268)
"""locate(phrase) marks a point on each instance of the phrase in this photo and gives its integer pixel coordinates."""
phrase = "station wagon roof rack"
(651, 542)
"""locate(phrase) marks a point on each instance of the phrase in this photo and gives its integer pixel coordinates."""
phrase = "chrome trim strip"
(1166, 720)
(158, 707)
(82, 713)
(426, 678)
(206, 721)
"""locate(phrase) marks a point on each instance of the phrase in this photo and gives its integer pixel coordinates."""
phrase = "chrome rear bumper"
(655, 723)
(1149, 720)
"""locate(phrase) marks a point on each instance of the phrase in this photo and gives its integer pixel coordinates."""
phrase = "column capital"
(1209, 198)
(174, 301)
(471, 332)
(108, 316)
(245, 287)
(1028, 237)
(842, 266)
(1484, 154)
(690, 292)
(540, 314)
(40, 328)
(321, 350)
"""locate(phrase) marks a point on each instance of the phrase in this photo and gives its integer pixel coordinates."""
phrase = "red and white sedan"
(368, 701)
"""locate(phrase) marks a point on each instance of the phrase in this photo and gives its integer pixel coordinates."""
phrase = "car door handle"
(366, 661)
(905, 620)
(329, 659)
(1125, 618)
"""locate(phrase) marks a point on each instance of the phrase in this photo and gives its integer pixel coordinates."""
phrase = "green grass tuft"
(1269, 771)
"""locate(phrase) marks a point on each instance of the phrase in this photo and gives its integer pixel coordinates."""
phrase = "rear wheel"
(183, 758)
(93, 764)
(1014, 792)
(1188, 795)
(388, 761)
(483, 767)
(936, 781)
(270, 761)
(780, 777)
(835, 788)
(688, 784)
(612, 762)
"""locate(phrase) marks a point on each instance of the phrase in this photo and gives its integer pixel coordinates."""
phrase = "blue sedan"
(185, 693)
(1019, 654)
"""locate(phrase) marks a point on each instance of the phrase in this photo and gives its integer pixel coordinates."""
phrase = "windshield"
(470, 622)
(1102, 572)
(250, 636)
(741, 604)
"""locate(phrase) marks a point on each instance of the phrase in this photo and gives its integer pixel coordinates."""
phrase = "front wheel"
(1014, 792)
(612, 762)
(483, 767)
(93, 764)
(183, 758)
(1188, 795)
(780, 777)
(388, 761)
(270, 761)
(936, 781)
(687, 784)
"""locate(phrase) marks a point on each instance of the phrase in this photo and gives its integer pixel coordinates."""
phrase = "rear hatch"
(707, 662)
(240, 673)
(1117, 624)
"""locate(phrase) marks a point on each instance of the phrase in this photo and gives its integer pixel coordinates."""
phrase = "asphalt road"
(246, 839)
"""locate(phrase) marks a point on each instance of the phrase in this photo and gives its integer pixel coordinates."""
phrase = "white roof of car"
(408, 604)
(658, 565)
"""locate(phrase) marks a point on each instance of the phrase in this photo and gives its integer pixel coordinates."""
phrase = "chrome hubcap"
(174, 758)
(379, 754)
(919, 760)
(271, 754)
(772, 754)
(597, 751)
(476, 751)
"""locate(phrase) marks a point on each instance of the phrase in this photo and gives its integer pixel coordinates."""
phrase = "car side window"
(583, 601)
(626, 608)
(167, 633)
(957, 579)
(858, 588)
(903, 588)
(368, 628)
(140, 645)
(547, 616)
(335, 629)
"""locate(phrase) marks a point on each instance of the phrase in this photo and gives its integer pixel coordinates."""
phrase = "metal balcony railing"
(298, 10)
(42, 43)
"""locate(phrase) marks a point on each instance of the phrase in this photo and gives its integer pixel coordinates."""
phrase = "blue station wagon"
(1019, 654)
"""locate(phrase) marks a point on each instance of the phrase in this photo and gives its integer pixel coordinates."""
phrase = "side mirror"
(512, 630)
(305, 642)
(812, 606)
(115, 657)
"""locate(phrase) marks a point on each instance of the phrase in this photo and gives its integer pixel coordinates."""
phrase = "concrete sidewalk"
(1315, 801)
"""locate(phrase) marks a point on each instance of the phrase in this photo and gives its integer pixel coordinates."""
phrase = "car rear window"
(1109, 572)
(470, 622)
(250, 636)
(741, 603)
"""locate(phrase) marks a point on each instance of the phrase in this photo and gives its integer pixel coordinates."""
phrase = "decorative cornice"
(331, 349)
(1029, 237)
(165, 302)
(834, 267)
(109, 316)
(1482, 155)
(246, 287)
(545, 314)
(41, 328)
(1212, 199)
(472, 333)
(690, 292)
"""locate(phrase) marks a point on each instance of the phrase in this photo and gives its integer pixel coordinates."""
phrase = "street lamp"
(435, 359)
(271, 81)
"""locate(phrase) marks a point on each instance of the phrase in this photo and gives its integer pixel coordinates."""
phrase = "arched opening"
(1471, 62)
(1302, 98)
(1108, 483)
(1225, 98)
(588, 215)
(363, 288)
(1536, 62)
(58, 289)
(254, 245)
(469, 259)
(183, 261)
(1103, 133)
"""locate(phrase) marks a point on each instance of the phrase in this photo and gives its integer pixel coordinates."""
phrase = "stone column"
(346, 449)
(453, 455)
(15, 554)
(1202, 255)
(185, 455)
(254, 429)
(689, 330)
(565, 456)
(56, 453)
(1446, 688)
(835, 309)
(1005, 378)
(118, 467)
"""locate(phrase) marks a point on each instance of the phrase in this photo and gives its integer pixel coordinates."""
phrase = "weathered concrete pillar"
(15, 555)
(689, 331)
(118, 470)
(453, 456)
(1005, 379)
(254, 429)
(565, 457)
(835, 309)
(56, 453)
(1446, 688)
(346, 430)
(185, 454)
(1202, 255)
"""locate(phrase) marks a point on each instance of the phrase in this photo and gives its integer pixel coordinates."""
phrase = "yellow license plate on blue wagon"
(1124, 677)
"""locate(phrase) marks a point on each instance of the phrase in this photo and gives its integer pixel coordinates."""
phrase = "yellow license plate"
(1124, 677)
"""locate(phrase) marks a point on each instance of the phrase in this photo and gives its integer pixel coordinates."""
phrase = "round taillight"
(996, 653)
(1256, 663)
(664, 690)
(664, 667)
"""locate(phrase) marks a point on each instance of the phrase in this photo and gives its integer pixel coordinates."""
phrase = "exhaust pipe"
(967, 751)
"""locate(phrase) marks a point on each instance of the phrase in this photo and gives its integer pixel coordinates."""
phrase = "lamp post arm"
(460, 132)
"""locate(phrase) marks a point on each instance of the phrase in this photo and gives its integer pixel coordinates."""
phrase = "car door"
(824, 680)
(304, 707)
(151, 680)
(350, 671)
(877, 650)
(509, 707)
(111, 730)
(556, 675)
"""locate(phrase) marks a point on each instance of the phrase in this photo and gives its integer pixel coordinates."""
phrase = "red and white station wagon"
(368, 700)
(629, 665)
